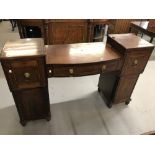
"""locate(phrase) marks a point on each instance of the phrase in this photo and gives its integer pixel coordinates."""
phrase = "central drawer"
(75, 70)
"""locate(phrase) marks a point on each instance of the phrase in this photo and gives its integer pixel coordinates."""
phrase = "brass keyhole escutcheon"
(27, 75)
(104, 68)
(71, 71)
(135, 62)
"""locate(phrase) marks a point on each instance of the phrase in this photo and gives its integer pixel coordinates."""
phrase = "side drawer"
(24, 73)
(136, 62)
(82, 69)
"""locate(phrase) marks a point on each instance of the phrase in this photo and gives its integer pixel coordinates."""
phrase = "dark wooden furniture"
(60, 31)
(146, 27)
(28, 64)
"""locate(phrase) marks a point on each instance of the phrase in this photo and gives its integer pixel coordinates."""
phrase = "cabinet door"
(32, 103)
(125, 88)
(66, 33)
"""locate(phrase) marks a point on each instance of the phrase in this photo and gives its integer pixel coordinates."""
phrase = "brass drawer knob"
(27, 75)
(135, 62)
(50, 71)
(104, 68)
(10, 71)
(71, 71)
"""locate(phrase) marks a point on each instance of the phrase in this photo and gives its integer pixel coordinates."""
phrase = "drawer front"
(23, 74)
(136, 63)
(82, 69)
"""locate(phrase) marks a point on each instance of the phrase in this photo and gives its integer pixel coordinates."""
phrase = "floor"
(77, 108)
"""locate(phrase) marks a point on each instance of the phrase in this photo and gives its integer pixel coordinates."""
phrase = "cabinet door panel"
(32, 103)
(125, 87)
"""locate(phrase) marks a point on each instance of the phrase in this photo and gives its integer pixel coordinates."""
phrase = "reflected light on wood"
(23, 47)
(13, 53)
(79, 53)
(87, 50)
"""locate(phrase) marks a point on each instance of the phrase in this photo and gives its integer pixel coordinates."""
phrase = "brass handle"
(135, 62)
(71, 71)
(10, 71)
(27, 75)
(104, 68)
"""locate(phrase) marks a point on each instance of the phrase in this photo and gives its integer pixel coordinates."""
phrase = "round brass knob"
(104, 67)
(50, 71)
(10, 71)
(27, 75)
(71, 71)
(135, 62)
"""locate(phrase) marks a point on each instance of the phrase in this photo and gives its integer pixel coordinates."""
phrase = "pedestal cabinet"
(24, 68)
(135, 55)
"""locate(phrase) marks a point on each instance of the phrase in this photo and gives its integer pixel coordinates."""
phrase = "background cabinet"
(62, 31)
(65, 32)
(120, 25)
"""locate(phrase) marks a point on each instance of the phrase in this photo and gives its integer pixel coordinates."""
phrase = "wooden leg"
(151, 39)
(127, 102)
(22, 122)
(99, 89)
(109, 105)
(130, 29)
(48, 118)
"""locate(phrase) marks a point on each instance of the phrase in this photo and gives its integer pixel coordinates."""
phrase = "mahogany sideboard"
(60, 31)
(28, 63)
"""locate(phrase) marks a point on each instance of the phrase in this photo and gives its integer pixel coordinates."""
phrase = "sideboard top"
(79, 53)
(23, 48)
